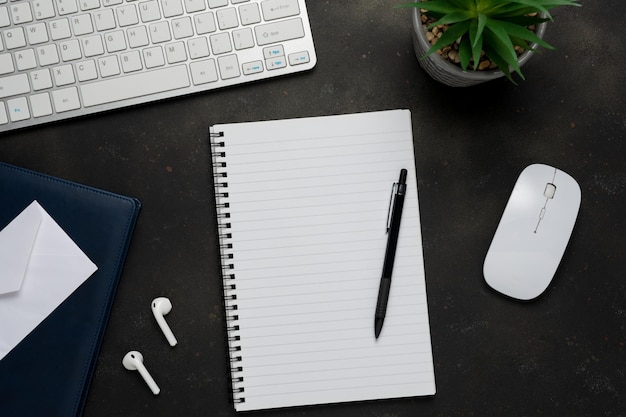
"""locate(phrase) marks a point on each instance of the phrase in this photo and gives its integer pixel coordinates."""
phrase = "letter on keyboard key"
(279, 31)
(136, 85)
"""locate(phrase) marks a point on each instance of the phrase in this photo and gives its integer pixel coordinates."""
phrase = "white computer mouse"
(532, 235)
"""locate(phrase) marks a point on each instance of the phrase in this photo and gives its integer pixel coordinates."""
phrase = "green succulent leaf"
(449, 36)
(476, 40)
(465, 52)
(502, 50)
(476, 28)
(452, 18)
(499, 36)
(525, 34)
(500, 63)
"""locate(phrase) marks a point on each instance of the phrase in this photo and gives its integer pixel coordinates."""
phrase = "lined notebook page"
(308, 202)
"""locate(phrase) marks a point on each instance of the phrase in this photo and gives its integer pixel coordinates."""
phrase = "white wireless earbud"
(133, 361)
(160, 307)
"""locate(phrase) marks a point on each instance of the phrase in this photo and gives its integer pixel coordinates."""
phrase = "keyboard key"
(278, 9)
(273, 51)
(6, 64)
(135, 85)
(66, 6)
(275, 63)
(299, 58)
(182, 28)
(252, 67)
(3, 114)
(48, 55)
(149, 11)
(131, 61)
(217, 3)
(89, 4)
(137, 37)
(43, 9)
(198, 48)
(127, 15)
(25, 59)
(4, 17)
(115, 41)
(104, 20)
(205, 23)
(220, 43)
(160, 32)
(82, 24)
(153, 57)
(41, 105)
(92, 45)
(243, 39)
(37, 33)
(63, 75)
(227, 18)
(18, 109)
(249, 14)
(193, 6)
(14, 38)
(109, 66)
(203, 72)
(175, 52)
(14, 85)
(21, 13)
(86, 70)
(279, 31)
(228, 66)
(41, 79)
(65, 99)
(60, 29)
(70, 50)
(172, 8)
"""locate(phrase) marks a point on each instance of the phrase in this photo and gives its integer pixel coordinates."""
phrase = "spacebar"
(136, 85)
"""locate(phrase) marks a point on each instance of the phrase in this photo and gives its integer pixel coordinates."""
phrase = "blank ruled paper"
(307, 204)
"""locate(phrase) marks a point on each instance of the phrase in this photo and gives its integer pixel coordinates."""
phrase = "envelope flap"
(17, 241)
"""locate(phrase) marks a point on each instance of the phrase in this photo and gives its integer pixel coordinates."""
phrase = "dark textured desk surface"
(562, 355)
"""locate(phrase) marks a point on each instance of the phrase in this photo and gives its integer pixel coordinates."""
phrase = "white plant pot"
(448, 73)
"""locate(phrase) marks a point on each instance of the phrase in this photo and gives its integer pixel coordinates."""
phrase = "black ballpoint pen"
(393, 228)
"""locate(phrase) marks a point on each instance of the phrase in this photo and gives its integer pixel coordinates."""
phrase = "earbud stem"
(149, 380)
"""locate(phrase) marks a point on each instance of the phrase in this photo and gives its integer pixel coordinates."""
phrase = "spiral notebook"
(302, 211)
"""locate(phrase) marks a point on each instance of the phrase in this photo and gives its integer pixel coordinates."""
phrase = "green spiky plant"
(492, 26)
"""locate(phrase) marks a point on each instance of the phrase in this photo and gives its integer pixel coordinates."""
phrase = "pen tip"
(378, 326)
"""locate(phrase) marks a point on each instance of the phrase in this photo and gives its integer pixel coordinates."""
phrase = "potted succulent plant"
(466, 42)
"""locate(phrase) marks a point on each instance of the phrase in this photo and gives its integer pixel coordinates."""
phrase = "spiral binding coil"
(222, 205)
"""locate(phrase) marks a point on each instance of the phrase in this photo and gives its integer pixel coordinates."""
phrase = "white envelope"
(40, 266)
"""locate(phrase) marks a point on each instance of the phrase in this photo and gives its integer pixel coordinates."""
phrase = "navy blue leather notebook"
(49, 372)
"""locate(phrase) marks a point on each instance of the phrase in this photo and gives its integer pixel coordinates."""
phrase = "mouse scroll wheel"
(550, 190)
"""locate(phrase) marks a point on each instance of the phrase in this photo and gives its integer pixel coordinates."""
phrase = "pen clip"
(394, 190)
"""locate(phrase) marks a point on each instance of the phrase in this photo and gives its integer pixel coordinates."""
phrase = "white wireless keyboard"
(65, 58)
